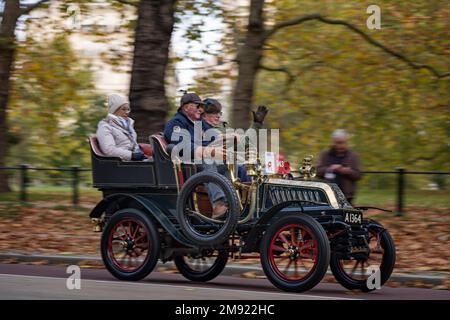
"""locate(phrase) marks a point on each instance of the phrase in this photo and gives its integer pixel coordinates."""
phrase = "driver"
(189, 112)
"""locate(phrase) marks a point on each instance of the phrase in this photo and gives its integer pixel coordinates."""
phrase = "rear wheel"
(130, 245)
(202, 267)
(295, 253)
(354, 274)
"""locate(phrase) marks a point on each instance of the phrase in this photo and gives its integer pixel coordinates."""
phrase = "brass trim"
(176, 166)
(309, 184)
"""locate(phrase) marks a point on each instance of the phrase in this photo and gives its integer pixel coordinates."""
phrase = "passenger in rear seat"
(115, 134)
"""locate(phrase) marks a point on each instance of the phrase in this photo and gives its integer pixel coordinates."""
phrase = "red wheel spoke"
(375, 258)
(124, 229)
(302, 245)
(307, 245)
(287, 267)
(283, 238)
(355, 266)
(308, 256)
(119, 238)
(277, 248)
(140, 237)
(281, 257)
(143, 242)
(363, 270)
(135, 231)
(142, 247)
(133, 228)
(314, 253)
(303, 233)
(124, 254)
(302, 262)
(117, 230)
(138, 251)
(122, 232)
(293, 236)
(129, 229)
(295, 268)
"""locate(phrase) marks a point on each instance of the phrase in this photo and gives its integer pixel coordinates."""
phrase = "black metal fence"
(400, 185)
(75, 171)
(24, 179)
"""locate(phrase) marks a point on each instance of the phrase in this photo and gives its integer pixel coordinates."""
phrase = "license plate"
(353, 217)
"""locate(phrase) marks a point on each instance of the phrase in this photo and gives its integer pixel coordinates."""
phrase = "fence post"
(400, 190)
(75, 182)
(23, 182)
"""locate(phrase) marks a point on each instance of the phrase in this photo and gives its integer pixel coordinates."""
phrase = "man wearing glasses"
(212, 117)
(213, 114)
(182, 124)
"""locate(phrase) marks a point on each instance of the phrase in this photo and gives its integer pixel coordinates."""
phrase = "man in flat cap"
(183, 123)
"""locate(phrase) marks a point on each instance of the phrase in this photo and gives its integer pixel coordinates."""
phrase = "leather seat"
(159, 137)
(95, 147)
(146, 149)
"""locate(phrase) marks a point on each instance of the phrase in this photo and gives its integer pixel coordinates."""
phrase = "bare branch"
(436, 154)
(355, 29)
(129, 3)
(288, 23)
(290, 77)
(207, 67)
(33, 6)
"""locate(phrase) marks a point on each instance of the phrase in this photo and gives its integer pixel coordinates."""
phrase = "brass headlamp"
(307, 169)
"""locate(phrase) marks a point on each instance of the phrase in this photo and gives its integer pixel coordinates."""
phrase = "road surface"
(49, 282)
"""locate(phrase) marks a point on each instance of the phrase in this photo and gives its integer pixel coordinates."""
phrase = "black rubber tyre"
(136, 233)
(313, 237)
(202, 275)
(386, 267)
(232, 216)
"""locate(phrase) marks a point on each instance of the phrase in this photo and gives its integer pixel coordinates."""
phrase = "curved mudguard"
(162, 216)
(261, 224)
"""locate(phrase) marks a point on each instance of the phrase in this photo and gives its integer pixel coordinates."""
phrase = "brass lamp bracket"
(307, 169)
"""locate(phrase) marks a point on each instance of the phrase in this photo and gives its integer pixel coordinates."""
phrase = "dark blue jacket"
(180, 121)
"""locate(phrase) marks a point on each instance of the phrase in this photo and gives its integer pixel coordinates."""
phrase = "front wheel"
(202, 267)
(130, 245)
(295, 253)
(357, 274)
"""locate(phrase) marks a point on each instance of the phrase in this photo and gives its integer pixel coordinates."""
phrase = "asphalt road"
(49, 282)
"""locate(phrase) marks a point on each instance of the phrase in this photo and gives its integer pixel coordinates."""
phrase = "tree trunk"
(151, 54)
(248, 58)
(7, 49)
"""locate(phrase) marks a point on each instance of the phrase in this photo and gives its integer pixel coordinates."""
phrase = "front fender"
(261, 224)
(98, 210)
(150, 207)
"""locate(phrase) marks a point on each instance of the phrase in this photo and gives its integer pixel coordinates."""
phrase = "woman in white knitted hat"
(115, 133)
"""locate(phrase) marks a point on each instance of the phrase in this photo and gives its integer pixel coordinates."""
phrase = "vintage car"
(160, 210)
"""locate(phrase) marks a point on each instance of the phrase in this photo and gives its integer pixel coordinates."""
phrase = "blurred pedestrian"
(340, 165)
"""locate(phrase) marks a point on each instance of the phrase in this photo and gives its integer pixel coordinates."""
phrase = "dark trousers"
(214, 191)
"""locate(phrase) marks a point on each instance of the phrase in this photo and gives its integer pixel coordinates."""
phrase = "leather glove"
(137, 156)
(260, 114)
